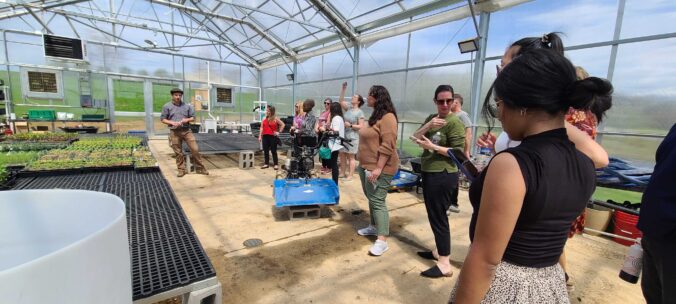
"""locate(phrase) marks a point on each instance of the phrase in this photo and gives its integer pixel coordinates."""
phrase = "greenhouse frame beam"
(278, 23)
(233, 48)
(451, 15)
(107, 33)
(137, 25)
(380, 22)
(39, 20)
(335, 17)
(38, 8)
(274, 15)
(150, 50)
(254, 27)
(477, 78)
(259, 25)
(412, 12)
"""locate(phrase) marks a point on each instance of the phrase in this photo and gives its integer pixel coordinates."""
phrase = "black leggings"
(270, 143)
(437, 191)
(333, 164)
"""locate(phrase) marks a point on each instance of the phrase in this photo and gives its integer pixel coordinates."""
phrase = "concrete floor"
(325, 261)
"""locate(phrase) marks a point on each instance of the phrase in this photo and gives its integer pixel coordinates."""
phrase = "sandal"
(276, 167)
(265, 166)
(435, 272)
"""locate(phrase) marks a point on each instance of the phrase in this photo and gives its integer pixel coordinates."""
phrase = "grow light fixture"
(469, 45)
(151, 43)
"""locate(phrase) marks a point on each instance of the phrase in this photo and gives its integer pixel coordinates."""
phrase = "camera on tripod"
(305, 147)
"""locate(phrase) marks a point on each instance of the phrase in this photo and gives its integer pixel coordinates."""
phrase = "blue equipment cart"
(404, 179)
(303, 192)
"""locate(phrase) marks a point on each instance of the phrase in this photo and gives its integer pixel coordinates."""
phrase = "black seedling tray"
(165, 253)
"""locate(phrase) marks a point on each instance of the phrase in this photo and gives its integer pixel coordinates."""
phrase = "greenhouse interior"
(136, 135)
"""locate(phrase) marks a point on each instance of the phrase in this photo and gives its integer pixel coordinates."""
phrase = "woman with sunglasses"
(378, 162)
(325, 122)
(298, 116)
(440, 177)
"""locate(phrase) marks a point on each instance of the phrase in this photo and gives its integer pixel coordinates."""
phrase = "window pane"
(310, 70)
(314, 91)
(337, 64)
(269, 77)
(642, 18)
(393, 82)
(643, 101)
(439, 44)
(383, 55)
(594, 60)
(195, 69)
(280, 98)
(420, 87)
(351, 8)
(128, 95)
(249, 76)
(580, 21)
(641, 152)
(229, 73)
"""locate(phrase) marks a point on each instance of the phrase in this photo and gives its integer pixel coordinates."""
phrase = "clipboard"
(465, 165)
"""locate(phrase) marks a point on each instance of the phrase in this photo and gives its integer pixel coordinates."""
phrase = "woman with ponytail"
(551, 41)
(526, 198)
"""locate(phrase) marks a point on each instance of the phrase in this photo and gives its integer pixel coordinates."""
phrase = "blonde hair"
(299, 107)
(271, 110)
(581, 73)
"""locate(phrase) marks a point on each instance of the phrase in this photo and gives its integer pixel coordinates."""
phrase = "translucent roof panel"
(352, 8)
(262, 29)
(383, 12)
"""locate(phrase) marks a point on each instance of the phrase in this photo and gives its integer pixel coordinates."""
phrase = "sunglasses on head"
(443, 101)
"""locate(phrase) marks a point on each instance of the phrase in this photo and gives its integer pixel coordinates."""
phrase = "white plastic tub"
(63, 246)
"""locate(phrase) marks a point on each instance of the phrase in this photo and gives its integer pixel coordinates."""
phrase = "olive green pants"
(380, 217)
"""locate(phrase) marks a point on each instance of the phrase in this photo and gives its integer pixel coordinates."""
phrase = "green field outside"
(129, 96)
(604, 194)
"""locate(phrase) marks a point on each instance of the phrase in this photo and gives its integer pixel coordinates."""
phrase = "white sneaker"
(378, 248)
(370, 230)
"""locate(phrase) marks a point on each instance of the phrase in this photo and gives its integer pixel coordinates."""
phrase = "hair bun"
(591, 93)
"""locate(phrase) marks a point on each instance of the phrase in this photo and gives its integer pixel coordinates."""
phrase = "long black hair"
(361, 100)
(383, 104)
(550, 41)
(544, 79)
(335, 110)
(443, 88)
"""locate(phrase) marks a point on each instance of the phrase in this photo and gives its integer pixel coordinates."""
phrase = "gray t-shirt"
(352, 116)
(174, 112)
(464, 117)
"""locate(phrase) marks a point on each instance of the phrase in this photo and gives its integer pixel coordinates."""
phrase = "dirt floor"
(325, 261)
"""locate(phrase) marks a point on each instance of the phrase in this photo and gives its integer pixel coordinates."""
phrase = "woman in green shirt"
(440, 177)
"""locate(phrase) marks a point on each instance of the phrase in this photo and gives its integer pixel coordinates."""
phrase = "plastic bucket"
(625, 225)
(63, 246)
(598, 218)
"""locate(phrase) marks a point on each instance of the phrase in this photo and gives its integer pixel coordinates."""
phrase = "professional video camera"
(305, 147)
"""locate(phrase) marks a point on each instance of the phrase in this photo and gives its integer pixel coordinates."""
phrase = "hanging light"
(150, 42)
(469, 45)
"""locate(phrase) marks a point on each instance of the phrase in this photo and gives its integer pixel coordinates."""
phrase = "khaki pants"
(176, 137)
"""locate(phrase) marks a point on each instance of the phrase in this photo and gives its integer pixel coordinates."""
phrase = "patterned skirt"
(520, 284)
